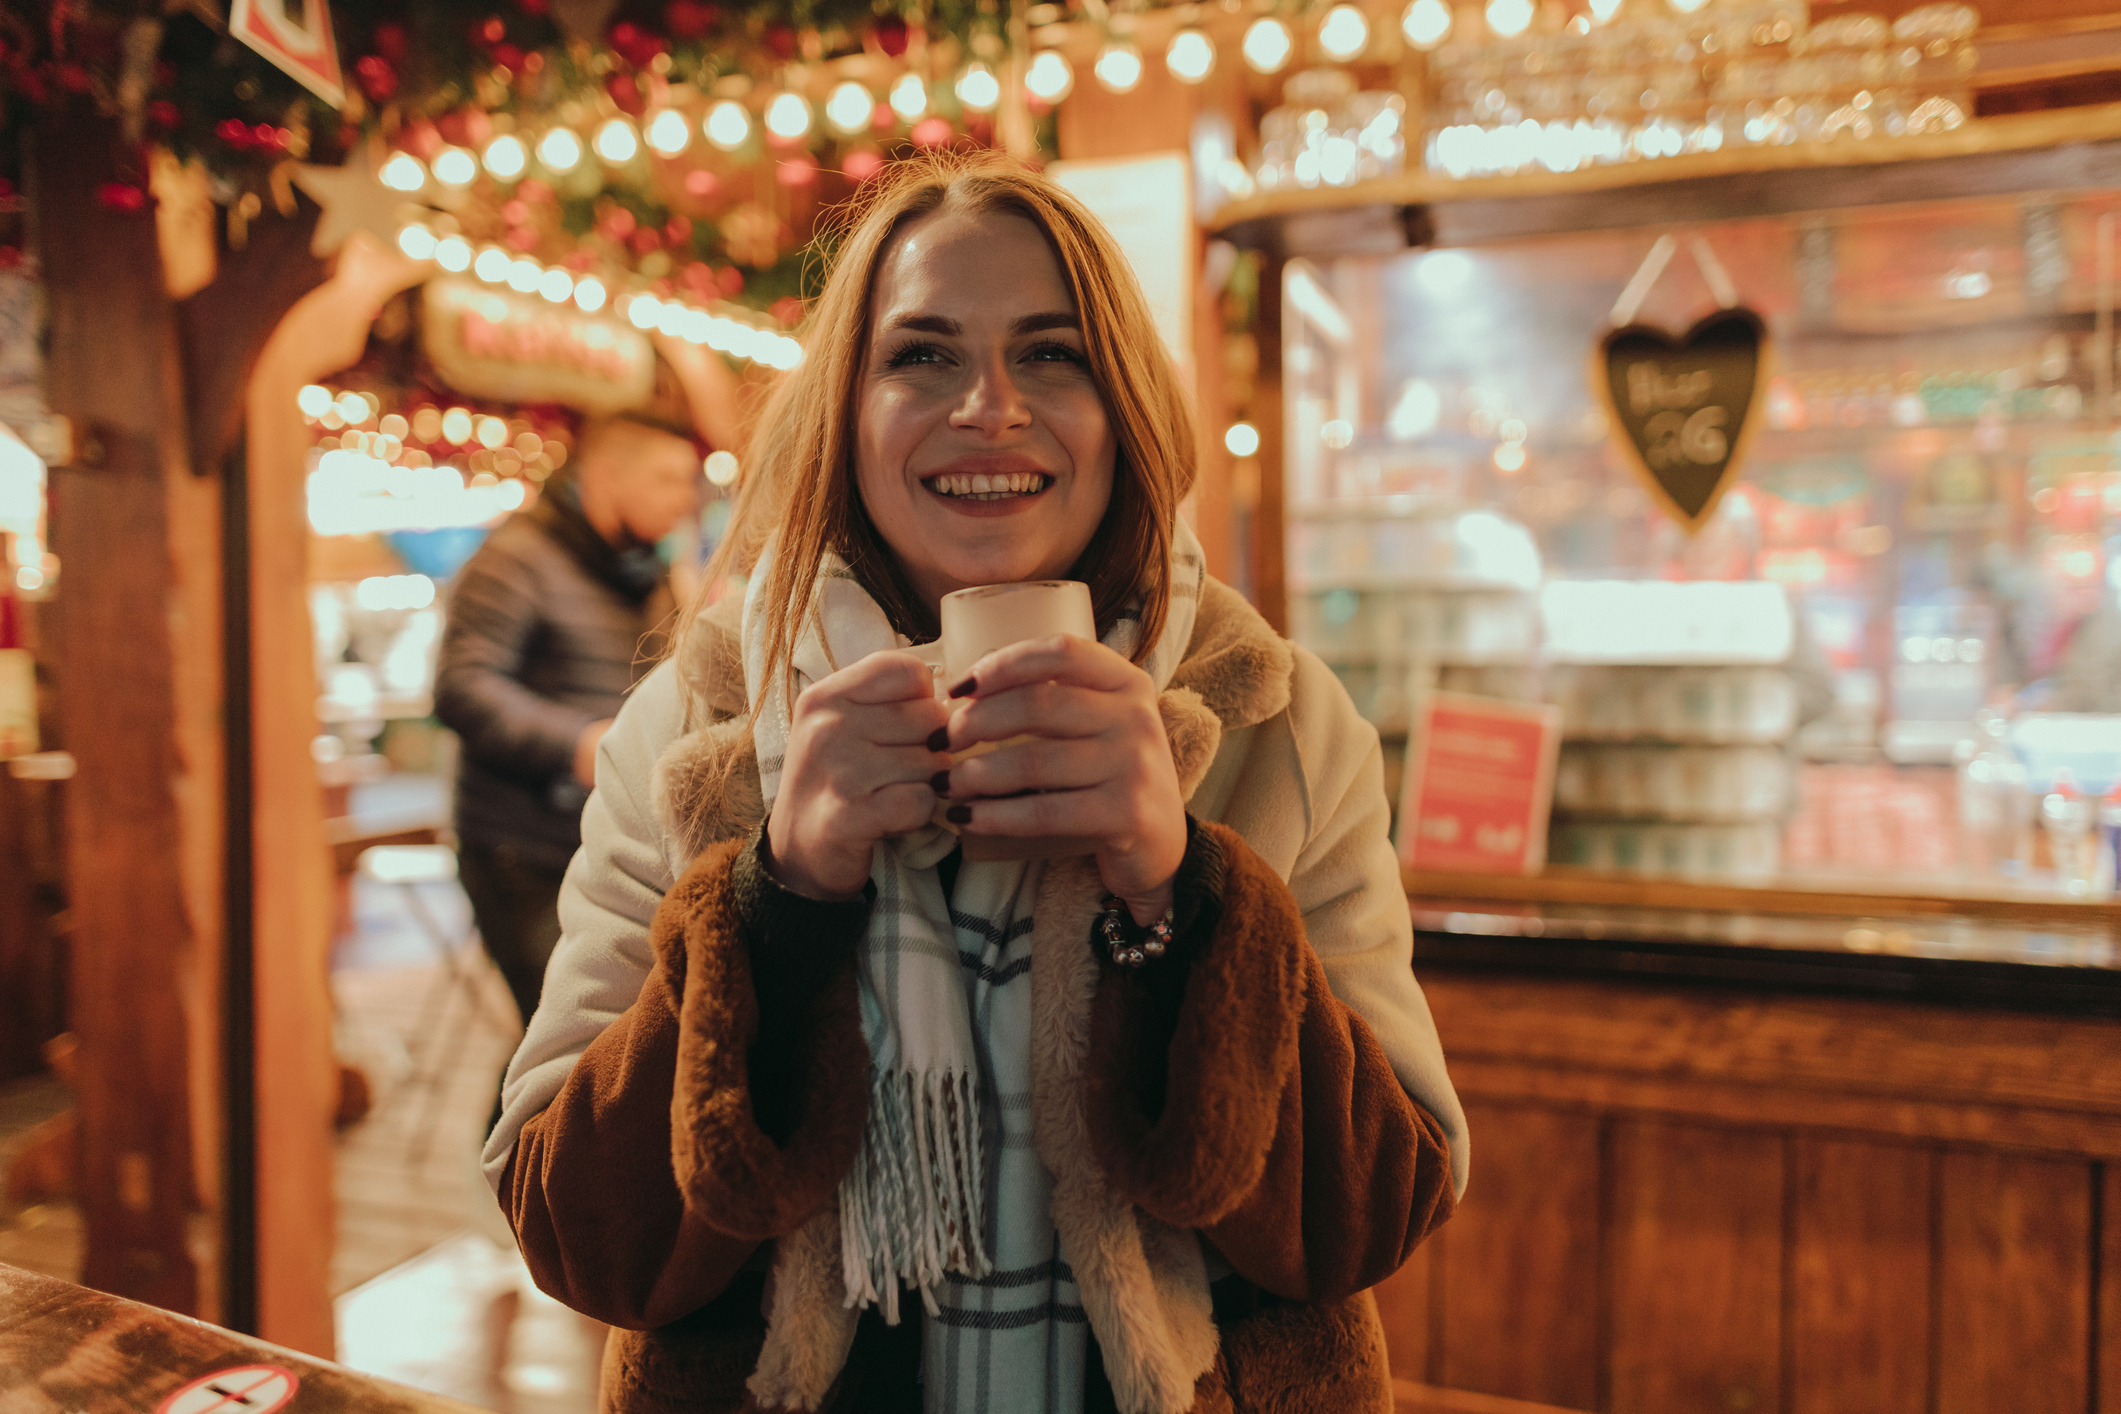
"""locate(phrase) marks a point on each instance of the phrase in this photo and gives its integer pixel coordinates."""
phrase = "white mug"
(978, 621)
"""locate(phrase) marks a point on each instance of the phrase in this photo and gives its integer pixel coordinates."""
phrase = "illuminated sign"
(522, 348)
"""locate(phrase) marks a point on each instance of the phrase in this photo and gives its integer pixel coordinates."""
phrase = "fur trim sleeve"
(771, 1090)
(1255, 1105)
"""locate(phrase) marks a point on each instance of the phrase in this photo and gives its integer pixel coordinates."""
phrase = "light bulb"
(668, 132)
(453, 253)
(560, 150)
(1686, 7)
(1190, 56)
(505, 157)
(403, 172)
(417, 241)
(977, 88)
(556, 285)
(643, 311)
(617, 143)
(909, 97)
(492, 265)
(728, 125)
(788, 116)
(1268, 45)
(589, 294)
(454, 167)
(722, 468)
(524, 274)
(1604, 10)
(1241, 440)
(1427, 23)
(1119, 66)
(314, 399)
(1344, 33)
(850, 108)
(1509, 17)
(1050, 76)
(456, 426)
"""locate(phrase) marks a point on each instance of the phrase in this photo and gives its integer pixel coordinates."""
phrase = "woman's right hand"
(862, 752)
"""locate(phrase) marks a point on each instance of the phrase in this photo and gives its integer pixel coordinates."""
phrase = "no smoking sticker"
(243, 1389)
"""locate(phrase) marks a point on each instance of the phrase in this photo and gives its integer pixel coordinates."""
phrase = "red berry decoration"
(491, 30)
(688, 19)
(731, 280)
(645, 240)
(780, 38)
(627, 94)
(235, 132)
(509, 57)
(618, 223)
(378, 77)
(163, 114)
(891, 34)
(390, 41)
(122, 197)
(677, 230)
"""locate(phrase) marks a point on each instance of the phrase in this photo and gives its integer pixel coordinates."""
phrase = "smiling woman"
(1132, 1129)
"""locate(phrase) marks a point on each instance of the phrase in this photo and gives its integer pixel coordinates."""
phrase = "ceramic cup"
(975, 622)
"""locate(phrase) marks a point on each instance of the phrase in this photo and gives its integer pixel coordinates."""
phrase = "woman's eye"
(910, 354)
(1062, 353)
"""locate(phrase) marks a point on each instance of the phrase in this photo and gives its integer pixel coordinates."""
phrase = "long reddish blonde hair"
(800, 486)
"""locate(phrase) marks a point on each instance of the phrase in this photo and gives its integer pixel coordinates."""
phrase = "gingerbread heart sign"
(1684, 408)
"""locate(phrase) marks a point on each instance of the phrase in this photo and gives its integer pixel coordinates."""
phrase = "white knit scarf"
(948, 1195)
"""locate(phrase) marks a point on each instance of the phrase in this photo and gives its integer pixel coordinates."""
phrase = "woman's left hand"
(1100, 761)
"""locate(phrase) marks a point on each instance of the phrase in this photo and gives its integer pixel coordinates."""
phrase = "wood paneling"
(2014, 1295)
(1860, 1269)
(2107, 1338)
(114, 657)
(1520, 1265)
(1695, 1249)
(1413, 1397)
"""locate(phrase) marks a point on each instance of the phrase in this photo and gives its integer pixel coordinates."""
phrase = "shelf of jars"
(1766, 165)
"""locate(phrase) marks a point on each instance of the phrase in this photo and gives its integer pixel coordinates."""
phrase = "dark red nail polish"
(939, 739)
(965, 688)
(959, 815)
(940, 783)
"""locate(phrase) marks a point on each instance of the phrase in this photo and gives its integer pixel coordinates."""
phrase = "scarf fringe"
(913, 1207)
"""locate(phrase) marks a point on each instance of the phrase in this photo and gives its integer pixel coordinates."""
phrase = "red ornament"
(510, 58)
(122, 197)
(523, 238)
(534, 7)
(797, 171)
(163, 114)
(390, 41)
(891, 34)
(533, 190)
(699, 277)
(618, 223)
(490, 31)
(787, 311)
(780, 37)
(688, 19)
(731, 280)
(861, 165)
(700, 182)
(467, 127)
(422, 139)
(627, 94)
(645, 240)
(580, 261)
(75, 78)
(931, 132)
(235, 132)
(515, 213)
(378, 77)
(677, 231)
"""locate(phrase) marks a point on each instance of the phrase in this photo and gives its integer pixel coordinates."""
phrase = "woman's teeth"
(980, 486)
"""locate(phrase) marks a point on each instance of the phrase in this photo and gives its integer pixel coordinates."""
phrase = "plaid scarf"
(949, 1196)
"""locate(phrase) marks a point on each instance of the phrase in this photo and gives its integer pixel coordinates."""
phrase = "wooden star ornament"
(354, 199)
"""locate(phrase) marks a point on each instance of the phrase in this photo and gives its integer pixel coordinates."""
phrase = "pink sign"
(1479, 783)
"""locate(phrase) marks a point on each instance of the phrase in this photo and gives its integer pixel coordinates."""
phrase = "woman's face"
(984, 454)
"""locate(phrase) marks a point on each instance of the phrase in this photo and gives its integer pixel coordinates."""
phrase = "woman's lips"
(979, 493)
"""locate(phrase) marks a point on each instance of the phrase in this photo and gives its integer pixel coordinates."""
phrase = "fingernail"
(939, 739)
(966, 688)
(959, 814)
(940, 783)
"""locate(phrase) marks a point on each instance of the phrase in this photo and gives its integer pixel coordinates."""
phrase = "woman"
(825, 1115)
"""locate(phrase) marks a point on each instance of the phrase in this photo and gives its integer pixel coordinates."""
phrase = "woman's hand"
(1101, 761)
(862, 756)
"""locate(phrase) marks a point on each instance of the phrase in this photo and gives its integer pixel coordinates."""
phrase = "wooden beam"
(116, 659)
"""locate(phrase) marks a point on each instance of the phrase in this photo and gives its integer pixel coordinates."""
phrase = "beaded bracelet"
(1115, 922)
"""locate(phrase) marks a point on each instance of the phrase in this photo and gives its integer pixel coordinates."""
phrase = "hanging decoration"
(300, 46)
(353, 197)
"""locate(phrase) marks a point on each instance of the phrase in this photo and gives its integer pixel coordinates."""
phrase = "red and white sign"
(1479, 783)
(300, 45)
(244, 1389)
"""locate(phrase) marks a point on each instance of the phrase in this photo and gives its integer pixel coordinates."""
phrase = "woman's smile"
(988, 486)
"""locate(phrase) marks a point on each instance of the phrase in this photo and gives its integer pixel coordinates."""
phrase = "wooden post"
(1269, 574)
(123, 628)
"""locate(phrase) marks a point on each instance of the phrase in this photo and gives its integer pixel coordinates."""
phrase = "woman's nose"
(992, 402)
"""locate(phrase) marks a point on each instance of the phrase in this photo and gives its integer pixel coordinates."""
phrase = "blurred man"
(543, 642)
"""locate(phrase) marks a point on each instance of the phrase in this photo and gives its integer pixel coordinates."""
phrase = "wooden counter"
(67, 1350)
(1697, 1191)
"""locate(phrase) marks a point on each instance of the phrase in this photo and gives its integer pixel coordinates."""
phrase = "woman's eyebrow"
(943, 324)
(1052, 319)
